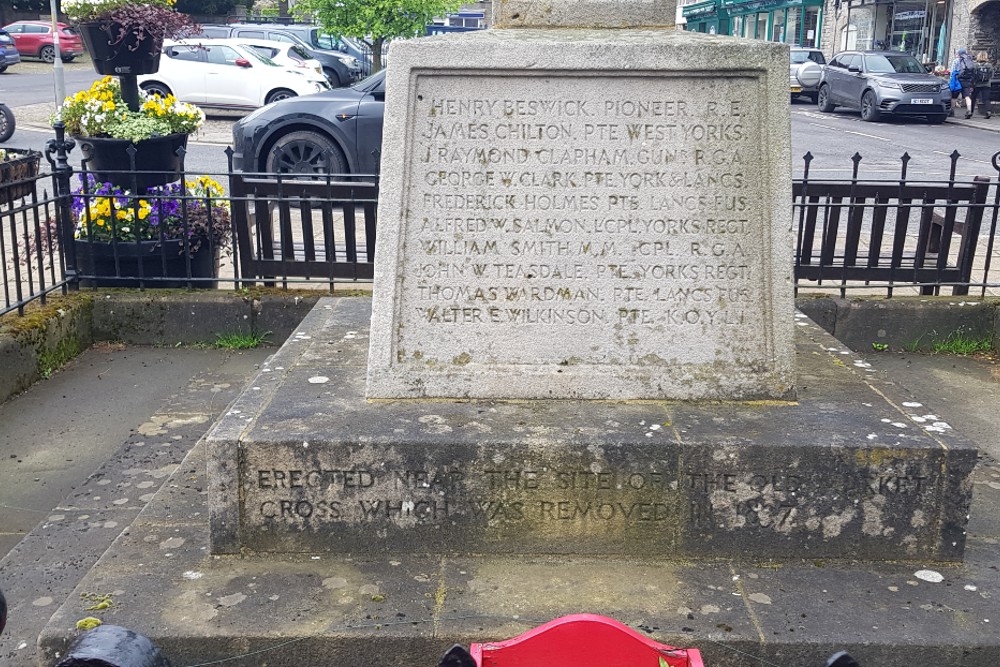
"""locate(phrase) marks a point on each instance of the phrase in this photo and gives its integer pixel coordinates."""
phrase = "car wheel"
(306, 152)
(937, 120)
(278, 95)
(156, 89)
(47, 54)
(333, 78)
(869, 108)
(68, 59)
(823, 100)
(6, 123)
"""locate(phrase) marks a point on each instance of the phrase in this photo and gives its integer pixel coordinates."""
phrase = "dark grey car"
(879, 83)
(336, 131)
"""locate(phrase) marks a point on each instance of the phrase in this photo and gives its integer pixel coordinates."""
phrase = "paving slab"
(99, 439)
(400, 608)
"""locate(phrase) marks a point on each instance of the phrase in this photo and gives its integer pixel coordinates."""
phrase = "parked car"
(339, 68)
(339, 131)
(880, 83)
(286, 54)
(224, 74)
(805, 71)
(9, 54)
(35, 40)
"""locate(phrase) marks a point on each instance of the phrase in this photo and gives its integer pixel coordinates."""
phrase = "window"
(903, 64)
(251, 34)
(222, 55)
(280, 37)
(15, 29)
(36, 29)
(183, 53)
(214, 32)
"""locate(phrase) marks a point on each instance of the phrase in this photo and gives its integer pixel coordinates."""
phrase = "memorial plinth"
(605, 217)
(305, 464)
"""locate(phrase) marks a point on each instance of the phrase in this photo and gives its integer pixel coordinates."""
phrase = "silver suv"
(805, 70)
(882, 83)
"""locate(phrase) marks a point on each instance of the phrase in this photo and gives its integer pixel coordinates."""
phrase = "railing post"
(57, 153)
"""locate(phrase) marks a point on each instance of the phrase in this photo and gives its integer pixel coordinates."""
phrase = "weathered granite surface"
(604, 217)
(304, 463)
(584, 13)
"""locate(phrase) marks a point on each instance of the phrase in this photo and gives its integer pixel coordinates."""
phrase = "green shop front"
(797, 23)
(794, 22)
(707, 17)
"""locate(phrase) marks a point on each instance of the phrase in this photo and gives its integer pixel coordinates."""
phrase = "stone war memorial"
(582, 337)
(580, 386)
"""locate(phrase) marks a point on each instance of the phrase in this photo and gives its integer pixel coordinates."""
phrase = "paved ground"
(136, 412)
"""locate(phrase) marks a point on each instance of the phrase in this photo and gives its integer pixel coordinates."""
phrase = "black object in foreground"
(113, 646)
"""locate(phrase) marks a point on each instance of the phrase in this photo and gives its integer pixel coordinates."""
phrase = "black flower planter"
(156, 160)
(17, 176)
(115, 53)
(118, 265)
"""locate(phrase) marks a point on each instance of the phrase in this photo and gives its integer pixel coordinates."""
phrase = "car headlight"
(350, 61)
(888, 84)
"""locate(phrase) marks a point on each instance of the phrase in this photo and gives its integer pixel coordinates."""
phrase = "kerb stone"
(606, 217)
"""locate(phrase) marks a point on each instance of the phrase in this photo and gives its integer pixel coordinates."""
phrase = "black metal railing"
(887, 235)
(892, 234)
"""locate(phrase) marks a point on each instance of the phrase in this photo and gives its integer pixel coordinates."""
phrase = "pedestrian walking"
(964, 69)
(981, 85)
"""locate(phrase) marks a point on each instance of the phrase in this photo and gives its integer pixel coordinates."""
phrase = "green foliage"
(880, 347)
(376, 21)
(958, 342)
(238, 340)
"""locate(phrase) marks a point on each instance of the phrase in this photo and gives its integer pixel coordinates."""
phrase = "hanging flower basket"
(18, 172)
(115, 50)
(156, 160)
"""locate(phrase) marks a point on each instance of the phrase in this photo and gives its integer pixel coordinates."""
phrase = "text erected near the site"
(633, 204)
(499, 496)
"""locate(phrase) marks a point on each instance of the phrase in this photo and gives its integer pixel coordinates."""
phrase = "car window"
(265, 51)
(296, 52)
(182, 52)
(329, 42)
(799, 57)
(889, 64)
(852, 60)
(280, 37)
(838, 61)
(14, 29)
(257, 55)
(250, 34)
(214, 32)
(222, 55)
(36, 29)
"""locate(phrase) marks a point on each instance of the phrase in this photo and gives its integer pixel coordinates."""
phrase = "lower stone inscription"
(739, 499)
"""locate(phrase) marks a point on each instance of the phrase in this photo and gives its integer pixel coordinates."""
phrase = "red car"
(34, 39)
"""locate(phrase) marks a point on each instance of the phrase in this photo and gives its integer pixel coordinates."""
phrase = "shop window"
(778, 26)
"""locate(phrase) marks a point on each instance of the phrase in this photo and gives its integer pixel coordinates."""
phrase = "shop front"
(708, 17)
(917, 27)
(795, 22)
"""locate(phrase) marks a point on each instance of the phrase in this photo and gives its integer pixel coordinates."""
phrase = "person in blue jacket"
(964, 70)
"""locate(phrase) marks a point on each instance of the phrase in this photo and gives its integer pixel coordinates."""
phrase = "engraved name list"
(632, 206)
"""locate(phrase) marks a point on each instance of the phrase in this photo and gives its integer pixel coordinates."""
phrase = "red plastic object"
(582, 640)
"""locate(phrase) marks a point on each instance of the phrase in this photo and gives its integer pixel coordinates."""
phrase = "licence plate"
(796, 89)
(923, 100)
